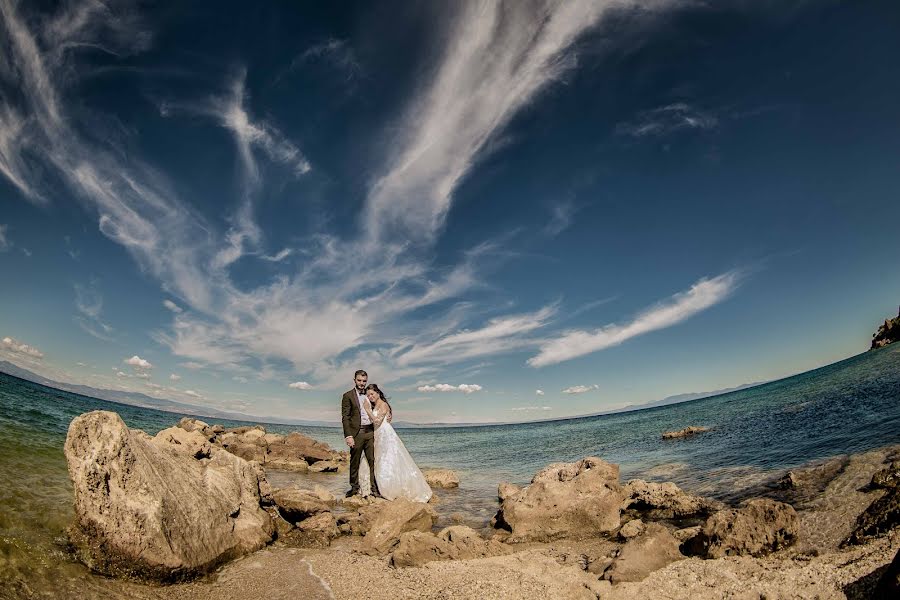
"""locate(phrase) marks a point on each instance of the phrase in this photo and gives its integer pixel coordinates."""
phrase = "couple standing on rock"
(388, 470)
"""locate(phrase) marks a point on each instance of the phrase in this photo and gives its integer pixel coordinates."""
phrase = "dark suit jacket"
(350, 416)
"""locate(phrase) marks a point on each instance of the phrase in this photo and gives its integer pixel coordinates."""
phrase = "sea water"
(755, 435)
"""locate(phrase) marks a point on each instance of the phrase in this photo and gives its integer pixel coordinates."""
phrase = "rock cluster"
(165, 508)
(292, 452)
(179, 504)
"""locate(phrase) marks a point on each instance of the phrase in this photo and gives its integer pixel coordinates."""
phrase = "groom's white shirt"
(363, 415)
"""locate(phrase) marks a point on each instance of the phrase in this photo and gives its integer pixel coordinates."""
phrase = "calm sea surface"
(844, 408)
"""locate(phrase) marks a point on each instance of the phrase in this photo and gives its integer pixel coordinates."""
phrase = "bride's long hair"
(374, 386)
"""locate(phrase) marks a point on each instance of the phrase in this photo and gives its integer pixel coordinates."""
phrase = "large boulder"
(146, 509)
(757, 528)
(652, 549)
(389, 520)
(416, 548)
(665, 501)
(581, 499)
(441, 478)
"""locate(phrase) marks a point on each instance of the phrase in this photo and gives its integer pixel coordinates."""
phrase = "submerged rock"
(581, 499)
(757, 528)
(686, 432)
(145, 508)
(441, 478)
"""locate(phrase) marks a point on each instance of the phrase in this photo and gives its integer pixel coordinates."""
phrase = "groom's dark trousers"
(363, 439)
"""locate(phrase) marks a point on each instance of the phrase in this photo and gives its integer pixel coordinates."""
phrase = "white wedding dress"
(395, 470)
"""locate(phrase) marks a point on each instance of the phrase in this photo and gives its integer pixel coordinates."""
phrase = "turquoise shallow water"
(756, 434)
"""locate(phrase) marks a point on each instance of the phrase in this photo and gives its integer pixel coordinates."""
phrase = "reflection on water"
(755, 435)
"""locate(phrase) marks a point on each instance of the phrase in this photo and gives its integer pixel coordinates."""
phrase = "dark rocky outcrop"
(759, 527)
(884, 513)
(888, 333)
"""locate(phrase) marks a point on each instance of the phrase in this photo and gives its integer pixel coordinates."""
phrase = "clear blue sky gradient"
(645, 202)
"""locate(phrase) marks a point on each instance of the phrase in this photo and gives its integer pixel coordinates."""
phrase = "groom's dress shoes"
(350, 493)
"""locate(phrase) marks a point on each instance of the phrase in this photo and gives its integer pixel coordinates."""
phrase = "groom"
(359, 433)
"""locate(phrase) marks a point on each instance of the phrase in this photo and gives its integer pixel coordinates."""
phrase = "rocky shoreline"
(887, 333)
(184, 508)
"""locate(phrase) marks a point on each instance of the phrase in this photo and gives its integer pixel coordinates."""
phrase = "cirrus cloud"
(465, 388)
(580, 389)
(701, 296)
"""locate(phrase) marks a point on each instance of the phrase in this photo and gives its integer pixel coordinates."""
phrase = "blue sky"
(503, 211)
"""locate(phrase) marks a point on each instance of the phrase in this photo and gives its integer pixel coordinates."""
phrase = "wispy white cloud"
(300, 385)
(5, 244)
(538, 392)
(174, 377)
(701, 296)
(498, 57)
(500, 334)
(667, 120)
(335, 52)
(580, 389)
(532, 408)
(465, 388)
(15, 346)
(172, 306)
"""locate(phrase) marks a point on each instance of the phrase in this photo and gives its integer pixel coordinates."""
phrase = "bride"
(396, 473)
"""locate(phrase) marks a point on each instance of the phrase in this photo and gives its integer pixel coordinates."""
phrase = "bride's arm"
(376, 420)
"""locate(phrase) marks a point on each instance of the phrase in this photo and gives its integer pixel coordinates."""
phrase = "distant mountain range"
(145, 401)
